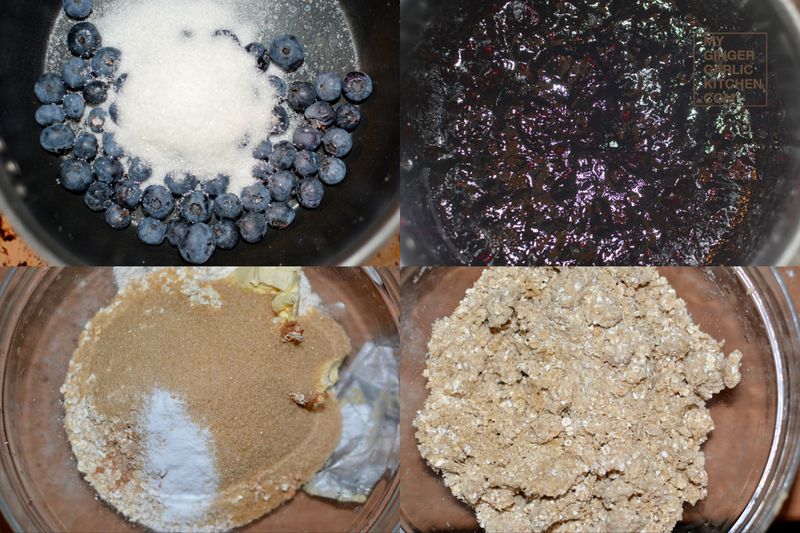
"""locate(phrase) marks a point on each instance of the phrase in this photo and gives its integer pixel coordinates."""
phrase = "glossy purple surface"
(563, 132)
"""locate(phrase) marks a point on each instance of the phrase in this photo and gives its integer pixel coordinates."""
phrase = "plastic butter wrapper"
(283, 283)
(369, 399)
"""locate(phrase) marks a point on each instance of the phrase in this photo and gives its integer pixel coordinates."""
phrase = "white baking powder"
(179, 461)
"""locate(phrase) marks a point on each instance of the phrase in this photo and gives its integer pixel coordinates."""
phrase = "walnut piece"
(292, 332)
(309, 400)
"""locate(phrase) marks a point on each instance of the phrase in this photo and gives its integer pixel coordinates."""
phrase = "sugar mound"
(192, 102)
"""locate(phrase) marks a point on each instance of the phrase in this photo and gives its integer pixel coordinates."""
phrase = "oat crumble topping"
(572, 400)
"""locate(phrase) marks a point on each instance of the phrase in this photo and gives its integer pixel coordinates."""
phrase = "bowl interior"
(745, 417)
(60, 227)
(42, 471)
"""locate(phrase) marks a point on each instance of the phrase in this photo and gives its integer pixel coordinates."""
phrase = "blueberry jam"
(563, 132)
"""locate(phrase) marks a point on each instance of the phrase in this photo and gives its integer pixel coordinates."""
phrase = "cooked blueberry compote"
(564, 132)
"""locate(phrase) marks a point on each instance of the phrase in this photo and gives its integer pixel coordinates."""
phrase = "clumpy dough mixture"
(171, 347)
(572, 400)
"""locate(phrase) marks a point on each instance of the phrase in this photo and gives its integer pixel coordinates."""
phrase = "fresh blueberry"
(348, 117)
(113, 112)
(320, 115)
(252, 227)
(328, 87)
(263, 169)
(110, 146)
(50, 88)
(78, 9)
(118, 217)
(310, 193)
(283, 155)
(74, 106)
(127, 193)
(98, 197)
(332, 171)
(49, 114)
(262, 149)
(108, 170)
(139, 170)
(287, 52)
(255, 197)
(281, 120)
(58, 138)
(151, 231)
(105, 62)
(176, 231)
(301, 95)
(307, 138)
(85, 147)
(197, 246)
(258, 51)
(95, 92)
(216, 186)
(77, 73)
(357, 87)
(180, 183)
(96, 120)
(228, 205)
(83, 40)
(157, 201)
(194, 207)
(337, 142)
(226, 235)
(280, 185)
(279, 85)
(229, 34)
(76, 176)
(119, 83)
(280, 216)
(307, 163)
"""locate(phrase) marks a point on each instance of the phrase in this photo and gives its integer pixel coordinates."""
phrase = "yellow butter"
(283, 283)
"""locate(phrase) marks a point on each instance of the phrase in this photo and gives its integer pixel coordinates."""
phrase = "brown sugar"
(228, 363)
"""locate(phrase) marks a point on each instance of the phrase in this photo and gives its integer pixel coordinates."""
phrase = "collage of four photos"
(399, 266)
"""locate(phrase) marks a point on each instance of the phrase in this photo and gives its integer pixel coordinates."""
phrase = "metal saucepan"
(355, 219)
(775, 227)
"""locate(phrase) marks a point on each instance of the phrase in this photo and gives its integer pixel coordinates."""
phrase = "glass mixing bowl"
(752, 454)
(42, 313)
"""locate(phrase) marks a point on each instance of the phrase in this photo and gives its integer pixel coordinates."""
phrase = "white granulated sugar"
(179, 461)
(192, 102)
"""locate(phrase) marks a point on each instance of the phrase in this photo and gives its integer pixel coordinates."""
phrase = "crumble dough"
(572, 399)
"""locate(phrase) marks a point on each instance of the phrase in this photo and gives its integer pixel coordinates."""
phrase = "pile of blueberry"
(196, 217)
